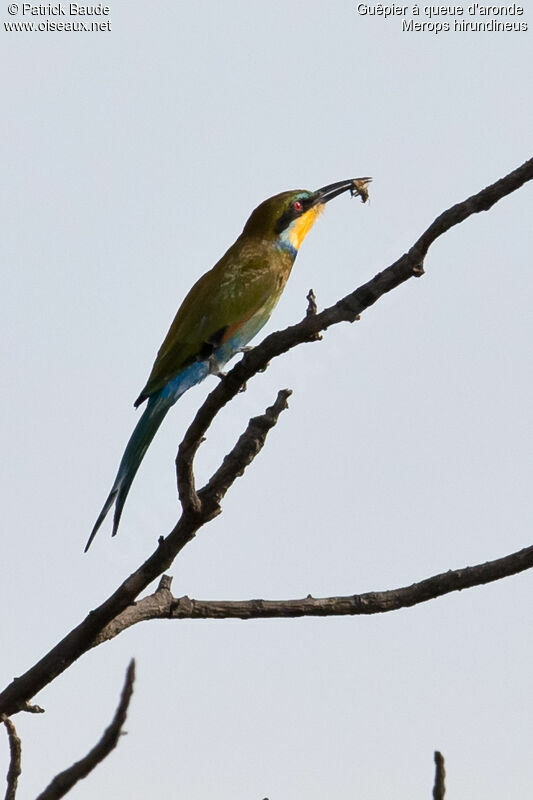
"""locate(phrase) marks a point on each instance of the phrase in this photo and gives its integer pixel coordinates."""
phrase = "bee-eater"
(223, 311)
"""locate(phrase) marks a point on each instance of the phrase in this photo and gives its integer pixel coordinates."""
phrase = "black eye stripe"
(292, 213)
(285, 220)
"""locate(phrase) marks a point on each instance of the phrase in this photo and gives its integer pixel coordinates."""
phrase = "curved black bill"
(356, 186)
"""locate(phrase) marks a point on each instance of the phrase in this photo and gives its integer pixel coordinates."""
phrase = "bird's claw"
(214, 369)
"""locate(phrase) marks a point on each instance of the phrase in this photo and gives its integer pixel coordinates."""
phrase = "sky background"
(131, 159)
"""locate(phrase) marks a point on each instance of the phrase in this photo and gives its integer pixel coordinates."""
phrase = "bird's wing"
(217, 305)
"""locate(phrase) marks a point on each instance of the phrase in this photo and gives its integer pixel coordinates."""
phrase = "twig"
(31, 708)
(312, 310)
(248, 446)
(439, 789)
(311, 304)
(15, 766)
(64, 782)
(82, 638)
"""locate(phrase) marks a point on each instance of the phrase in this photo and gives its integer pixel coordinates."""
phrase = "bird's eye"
(297, 206)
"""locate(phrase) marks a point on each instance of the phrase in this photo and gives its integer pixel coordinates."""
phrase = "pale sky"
(131, 161)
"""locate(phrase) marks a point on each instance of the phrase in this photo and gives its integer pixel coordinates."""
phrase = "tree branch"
(163, 605)
(248, 446)
(63, 783)
(15, 750)
(196, 514)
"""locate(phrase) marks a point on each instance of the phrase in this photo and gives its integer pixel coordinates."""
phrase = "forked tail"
(137, 446)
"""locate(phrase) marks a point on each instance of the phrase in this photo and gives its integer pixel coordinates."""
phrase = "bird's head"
(288, 217)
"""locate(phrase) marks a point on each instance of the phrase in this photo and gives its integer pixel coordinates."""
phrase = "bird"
(222, 312)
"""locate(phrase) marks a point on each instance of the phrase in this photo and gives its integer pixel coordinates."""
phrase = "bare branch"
(249, 445)
(83, 637)
(163, 605)
(241, 456)
(15, 767)
(439, 788)
(190, 502)
(64, 782)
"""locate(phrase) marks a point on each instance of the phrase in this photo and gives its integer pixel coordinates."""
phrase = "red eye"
(297, 206)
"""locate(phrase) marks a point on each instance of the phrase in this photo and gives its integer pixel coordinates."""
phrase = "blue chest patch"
(284, 243)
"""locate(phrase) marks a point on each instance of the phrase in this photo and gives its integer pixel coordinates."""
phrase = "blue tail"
(137, 446)
(141, 438)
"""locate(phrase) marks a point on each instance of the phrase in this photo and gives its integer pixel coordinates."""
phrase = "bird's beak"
(356, 186)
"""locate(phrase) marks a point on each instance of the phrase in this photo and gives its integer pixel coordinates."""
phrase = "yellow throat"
(302, 225)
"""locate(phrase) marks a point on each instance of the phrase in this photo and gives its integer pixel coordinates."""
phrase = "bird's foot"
(214, 369)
